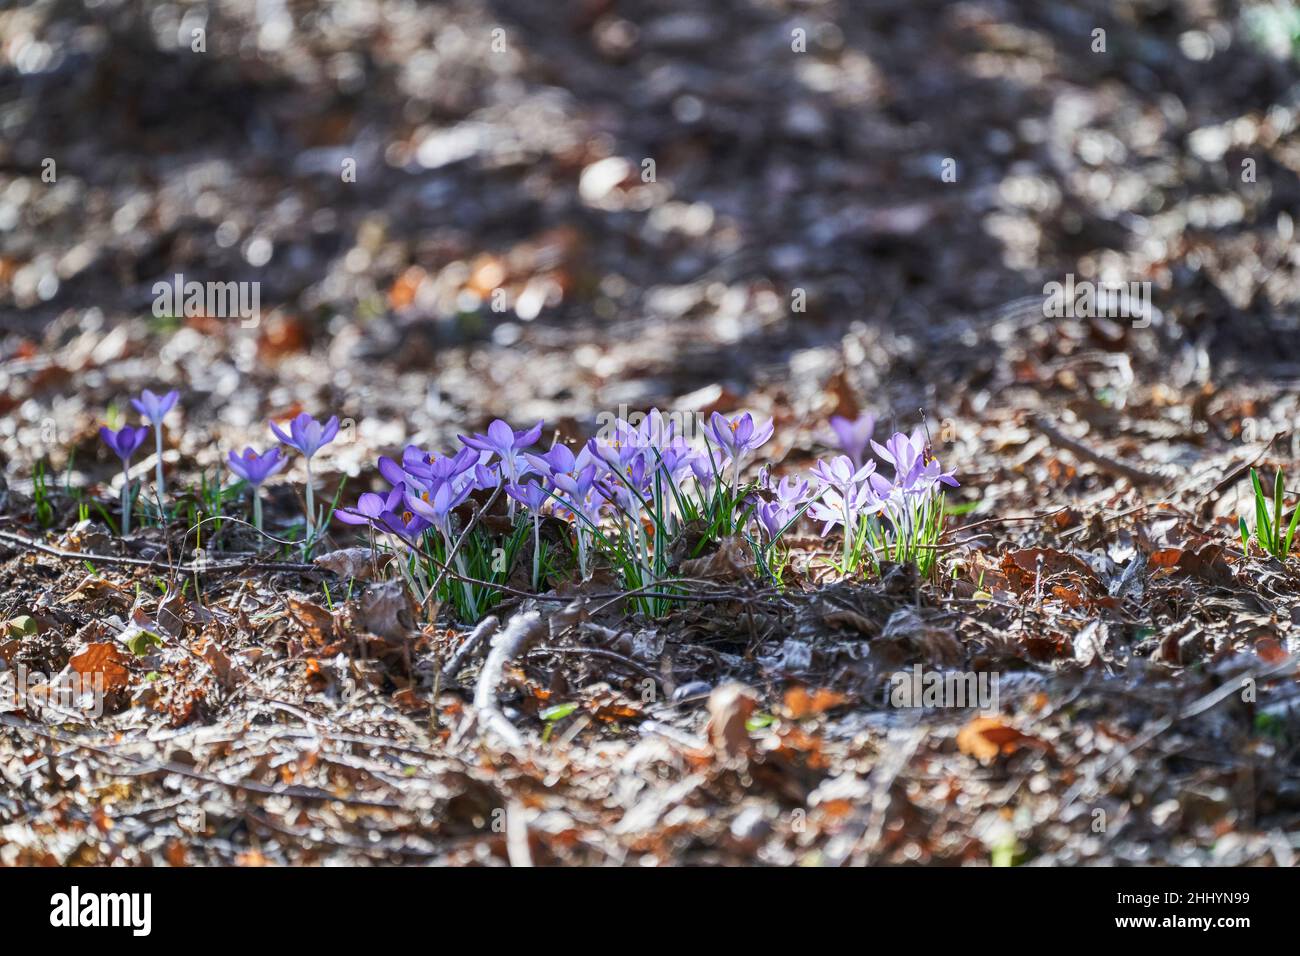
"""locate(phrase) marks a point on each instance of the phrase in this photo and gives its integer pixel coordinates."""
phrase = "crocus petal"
(526, 438)
(348, 516)
(420, 506)
(236, 465)
(391, 471)
(744, 429)
(331, 429)
(281, 435)
(501, 435)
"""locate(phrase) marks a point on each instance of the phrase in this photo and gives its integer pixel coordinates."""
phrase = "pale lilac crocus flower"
(436, 507)
(255, 469)
(370, 507)
(574, 477)
(904, 453)
(853, 434)
(737, 437)
(788, 497)
(708, 466)
(155, 408)
(845, 496)
(124, 443)
(386, 513)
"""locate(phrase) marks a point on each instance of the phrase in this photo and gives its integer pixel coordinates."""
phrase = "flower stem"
(310, 510)
(537, 549)
(126, 500)
(257, 510)
(158, 443)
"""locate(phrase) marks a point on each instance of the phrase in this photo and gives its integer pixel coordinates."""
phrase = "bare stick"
(201, 567)
(471, 643)
(1124, 470)
(521, 632)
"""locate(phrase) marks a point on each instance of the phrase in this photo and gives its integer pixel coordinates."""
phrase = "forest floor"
(799, 254)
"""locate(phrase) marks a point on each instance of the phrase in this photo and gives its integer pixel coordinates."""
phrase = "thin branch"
(476, 636)
(201, 567)
(523, 630)
(1116, 467)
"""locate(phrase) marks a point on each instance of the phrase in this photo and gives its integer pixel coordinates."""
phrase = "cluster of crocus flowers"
(632, 488)
(631, 491)
(900, 516)
(125, 441)
(627, 491)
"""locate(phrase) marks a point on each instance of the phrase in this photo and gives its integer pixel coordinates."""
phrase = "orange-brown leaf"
(799, 703)
(986, 737)
(105, 658)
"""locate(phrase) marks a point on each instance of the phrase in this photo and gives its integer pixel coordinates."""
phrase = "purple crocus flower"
(841, 474)
(124, 441)
(507, 444)
(155, 407)
(386, 513)
(845, 508)
(902, 452)
(773, 517)
(627, 488)
(255, 468)
(790, 491)
(932, 475)
(530, 494)
(853, 434)
(370, 507)
(915, 470)
(436, 508)
(845, 496)
(708, 466)
(788, 497)
(306, 434)
(561, 460)
(738, 436)
(619, 450)
(576, 486)
(673, 458)
(394, 473)
(485, 478)
(407, 525)
(430, 468)
(655, 431)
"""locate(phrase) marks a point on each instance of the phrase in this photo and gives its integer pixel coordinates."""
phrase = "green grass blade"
(1262, 531)
(1276, 527)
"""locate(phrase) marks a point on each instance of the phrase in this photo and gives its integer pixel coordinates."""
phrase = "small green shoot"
(1268, 521)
